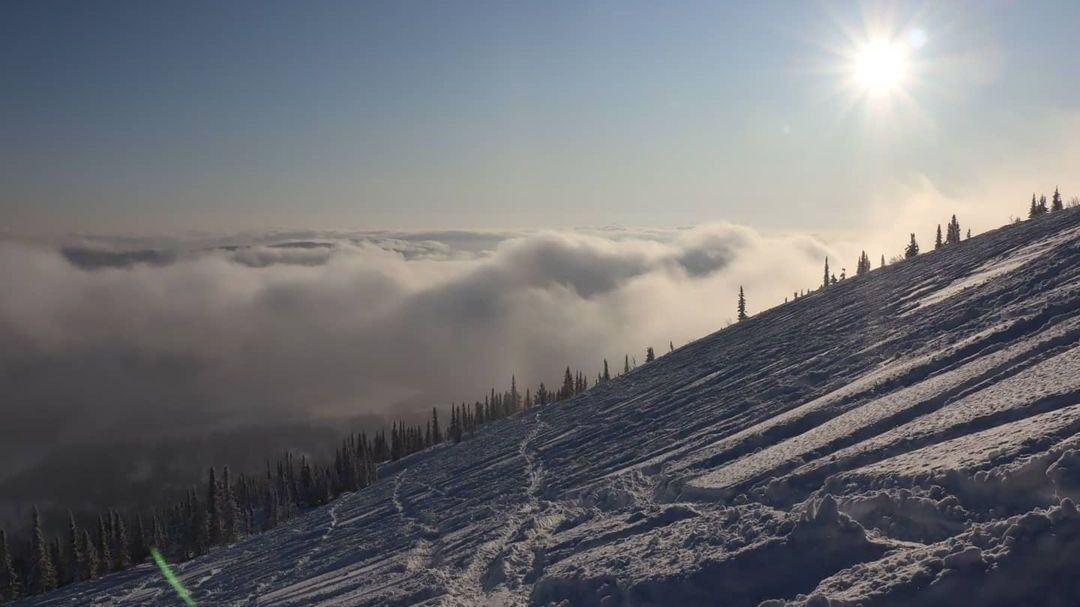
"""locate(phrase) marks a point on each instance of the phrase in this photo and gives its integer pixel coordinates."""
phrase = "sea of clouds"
(104, 338)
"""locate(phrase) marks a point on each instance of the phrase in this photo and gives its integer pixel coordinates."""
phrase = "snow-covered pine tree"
(230, 515)
(10, 588)
(103, 550)
(120, 548)
(60, 569)
(139, 546)
(90, 564)
(213, 508)
(76, 565)
(41, 576)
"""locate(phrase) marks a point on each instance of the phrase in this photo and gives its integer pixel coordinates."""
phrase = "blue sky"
(166, 116)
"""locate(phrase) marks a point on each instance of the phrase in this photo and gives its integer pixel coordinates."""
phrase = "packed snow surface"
(909, 437)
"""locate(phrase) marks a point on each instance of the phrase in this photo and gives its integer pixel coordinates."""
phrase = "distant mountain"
(907, 437)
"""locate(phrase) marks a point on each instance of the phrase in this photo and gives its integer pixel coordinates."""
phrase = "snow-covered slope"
(911, 437)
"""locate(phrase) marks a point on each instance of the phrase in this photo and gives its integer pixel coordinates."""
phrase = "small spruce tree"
(1055, 202)
(912, 249)
(937, 239)
(649, 355)
(742, 304)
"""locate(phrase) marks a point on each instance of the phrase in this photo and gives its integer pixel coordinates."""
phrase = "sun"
(880, 67)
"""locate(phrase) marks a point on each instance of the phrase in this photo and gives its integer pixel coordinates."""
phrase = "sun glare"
(879, 67)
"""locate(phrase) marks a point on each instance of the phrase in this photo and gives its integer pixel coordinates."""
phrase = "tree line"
(227, 507)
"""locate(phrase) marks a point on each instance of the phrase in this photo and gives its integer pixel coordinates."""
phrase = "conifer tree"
(90, 566)
(9, 579)
(41, 576)
(60, 568)
(140, 548)
(1056, 204)
(742, 305)
(436, 431)
(76, 558)
(1034, 210)
(230, 516)
(968, 234)
(213, 508)
(937, 239)
(882, 261)
(199, 527)
(953, 235)
(649, 355)
(912, 249)
(825, 283)
(671, 346)
(626, 364)
(120, 547)
(1042, 205)
(863, 266)
(568, 385)
(607, 374)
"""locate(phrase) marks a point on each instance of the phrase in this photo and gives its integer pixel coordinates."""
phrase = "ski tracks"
(418, 558)
(302, 562)
(509, 558)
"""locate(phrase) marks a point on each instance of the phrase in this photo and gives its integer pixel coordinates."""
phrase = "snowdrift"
(908, 437)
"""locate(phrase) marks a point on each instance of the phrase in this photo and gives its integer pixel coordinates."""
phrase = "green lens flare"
(171, 578)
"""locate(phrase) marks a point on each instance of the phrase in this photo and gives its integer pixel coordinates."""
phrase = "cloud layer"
(103, 339)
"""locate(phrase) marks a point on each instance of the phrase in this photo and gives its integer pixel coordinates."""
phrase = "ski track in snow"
(902, 438)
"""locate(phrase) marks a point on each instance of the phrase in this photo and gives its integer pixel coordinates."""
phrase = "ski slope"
(910, 437)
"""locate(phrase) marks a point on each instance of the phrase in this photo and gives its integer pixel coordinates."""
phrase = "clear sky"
(119, 116)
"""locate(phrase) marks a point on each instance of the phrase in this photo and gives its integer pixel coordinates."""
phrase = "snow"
(909, 437)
